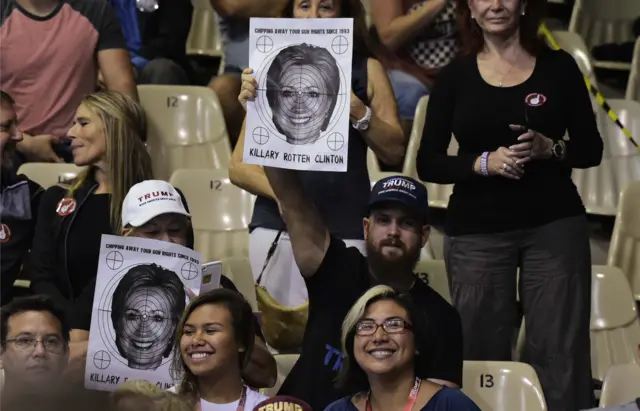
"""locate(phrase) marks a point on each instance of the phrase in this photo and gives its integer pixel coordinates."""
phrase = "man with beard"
(18, 203)
(395, 231)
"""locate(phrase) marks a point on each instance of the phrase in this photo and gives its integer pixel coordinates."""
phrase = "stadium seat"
(615, 327)
(624, 251)
(409, 166)
(220, 212)
(186, 128)
(633, 86)
(573, 44)
(49, 174)
(285, 363)
(238, 270)
(437, 274)
(600, 187)
(373, 166)
(503, 386)
(621, 385)
(605, 21)
(625, 157)
(204, 35)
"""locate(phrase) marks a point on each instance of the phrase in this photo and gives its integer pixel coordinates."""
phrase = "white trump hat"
(149, 199)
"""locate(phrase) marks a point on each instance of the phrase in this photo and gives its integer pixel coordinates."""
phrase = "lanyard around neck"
(413, 396)
(241, 402)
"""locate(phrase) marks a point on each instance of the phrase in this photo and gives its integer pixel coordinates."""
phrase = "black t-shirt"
(341, 279)
(552, 101)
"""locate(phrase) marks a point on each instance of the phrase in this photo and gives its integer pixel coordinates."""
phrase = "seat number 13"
(486, 381)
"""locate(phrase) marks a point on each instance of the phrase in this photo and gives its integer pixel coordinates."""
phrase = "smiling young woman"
(214, 342)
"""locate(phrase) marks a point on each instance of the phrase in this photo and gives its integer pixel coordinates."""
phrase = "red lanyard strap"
(411, 401)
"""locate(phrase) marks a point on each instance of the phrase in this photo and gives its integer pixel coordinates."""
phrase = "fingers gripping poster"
(141, 292)
(299, 118)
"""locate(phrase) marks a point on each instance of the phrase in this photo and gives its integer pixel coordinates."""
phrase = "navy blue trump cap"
(401, 189)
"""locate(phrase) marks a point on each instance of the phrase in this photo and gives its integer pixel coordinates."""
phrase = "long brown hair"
(355, 10)
(243, 327)
(472, 39)
(127, 159)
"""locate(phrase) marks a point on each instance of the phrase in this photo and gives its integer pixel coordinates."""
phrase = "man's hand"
(39, 148)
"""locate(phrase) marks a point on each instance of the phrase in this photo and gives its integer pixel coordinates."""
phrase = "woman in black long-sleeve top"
(509, 100)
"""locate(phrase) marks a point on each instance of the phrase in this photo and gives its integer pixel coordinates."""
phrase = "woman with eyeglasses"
(379, 366)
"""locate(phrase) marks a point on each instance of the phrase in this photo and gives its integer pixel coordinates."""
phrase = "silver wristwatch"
(363, 123)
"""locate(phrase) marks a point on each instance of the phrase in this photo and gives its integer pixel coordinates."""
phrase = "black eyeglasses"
(390, 326)
(53, 345)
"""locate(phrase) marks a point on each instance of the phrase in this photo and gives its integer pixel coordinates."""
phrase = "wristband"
(484, 167)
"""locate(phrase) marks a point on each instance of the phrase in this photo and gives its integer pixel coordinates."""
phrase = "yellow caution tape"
(599, 97)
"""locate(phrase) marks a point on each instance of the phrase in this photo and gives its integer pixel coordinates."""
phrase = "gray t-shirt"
(235, 38)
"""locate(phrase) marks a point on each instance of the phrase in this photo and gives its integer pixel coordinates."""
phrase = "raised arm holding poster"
(300, 116)
(139, 299)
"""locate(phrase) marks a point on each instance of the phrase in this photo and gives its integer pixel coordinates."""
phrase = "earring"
(473, 17)
(523, 12)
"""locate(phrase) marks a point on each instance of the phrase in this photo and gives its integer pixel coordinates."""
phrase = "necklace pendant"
(500, 85)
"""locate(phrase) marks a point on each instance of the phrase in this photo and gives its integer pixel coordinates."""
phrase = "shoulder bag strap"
(272, 249)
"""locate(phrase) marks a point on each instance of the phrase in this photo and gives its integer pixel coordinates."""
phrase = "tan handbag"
(283, 327)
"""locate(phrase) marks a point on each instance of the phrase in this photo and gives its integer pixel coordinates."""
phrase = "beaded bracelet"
(484, 167)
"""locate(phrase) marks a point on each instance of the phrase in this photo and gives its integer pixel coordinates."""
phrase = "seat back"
(503, 386)
(220, 212)
(615, 328)
(573, 44)
(624, 251)
(409, 166)
(285, 363)
(238, 270)
(600, 187)
(600, 22)
(50, 174)
(621, 385)
(625, 157)
(204, 34)
(437, 275)
(633, 86)
(186, 128)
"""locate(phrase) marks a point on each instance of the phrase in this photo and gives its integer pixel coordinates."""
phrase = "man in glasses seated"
(35, 345)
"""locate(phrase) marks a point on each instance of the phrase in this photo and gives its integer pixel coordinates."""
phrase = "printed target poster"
(300, 116)
(141, 293)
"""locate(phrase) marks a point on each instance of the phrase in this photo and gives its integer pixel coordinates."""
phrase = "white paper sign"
(139, 298)
(300, 117)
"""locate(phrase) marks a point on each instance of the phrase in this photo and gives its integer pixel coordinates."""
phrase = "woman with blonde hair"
(380, 358)
(107, 138)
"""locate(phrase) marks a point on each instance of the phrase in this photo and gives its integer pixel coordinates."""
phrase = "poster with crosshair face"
(139, 298)
(299, 118)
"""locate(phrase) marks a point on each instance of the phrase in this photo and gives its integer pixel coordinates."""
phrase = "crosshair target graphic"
(302, 93)
(115, 260)
(102, 360)
(340, 45)
(189, 271)
(260, 135)
(138, 316)
(264, 44)
(335, 141)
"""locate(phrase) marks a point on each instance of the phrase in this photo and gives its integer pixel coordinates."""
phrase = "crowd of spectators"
(328, 247)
